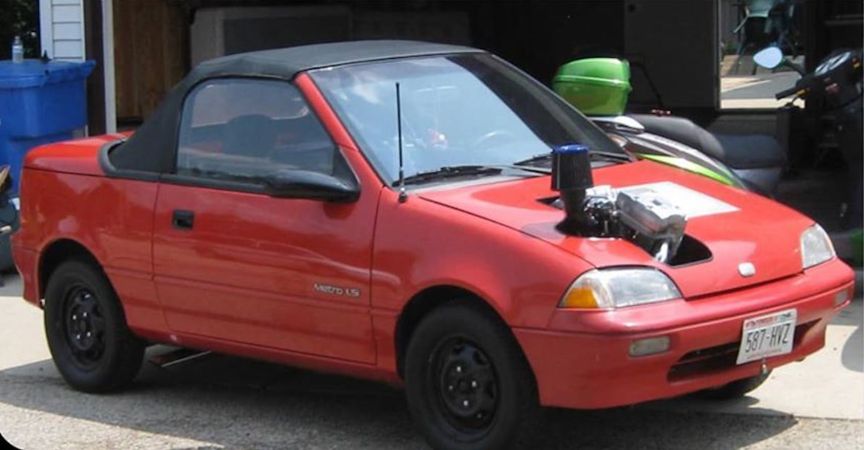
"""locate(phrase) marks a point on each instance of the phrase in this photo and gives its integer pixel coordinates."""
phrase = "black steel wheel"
(464, 385)
(467, 382)
(87, 334)
(84, 327)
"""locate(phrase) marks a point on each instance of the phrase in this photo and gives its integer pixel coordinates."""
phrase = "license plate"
(765, 336)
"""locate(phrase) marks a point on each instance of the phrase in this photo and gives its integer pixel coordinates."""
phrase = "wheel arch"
(427, 300)
(59, 251)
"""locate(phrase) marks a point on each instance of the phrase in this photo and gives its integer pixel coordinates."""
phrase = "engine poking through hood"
(646, 219)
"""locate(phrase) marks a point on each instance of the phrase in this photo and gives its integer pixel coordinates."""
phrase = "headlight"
(816, 247)
(617, 288)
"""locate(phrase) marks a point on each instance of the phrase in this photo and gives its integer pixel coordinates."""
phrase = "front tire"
(467, 381)
(86, 329)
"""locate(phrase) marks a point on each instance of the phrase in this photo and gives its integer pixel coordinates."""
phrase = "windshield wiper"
(469, 170)
(534, 159)
(450, 172)
(609, 156)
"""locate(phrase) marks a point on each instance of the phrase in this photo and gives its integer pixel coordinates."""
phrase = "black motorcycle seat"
(738, 151)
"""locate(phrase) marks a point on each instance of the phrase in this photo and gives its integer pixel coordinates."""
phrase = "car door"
(235, 264)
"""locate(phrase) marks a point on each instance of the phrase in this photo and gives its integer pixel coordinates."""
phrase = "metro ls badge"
(336, 290)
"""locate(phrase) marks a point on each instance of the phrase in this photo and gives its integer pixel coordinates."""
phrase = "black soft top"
(150, 150)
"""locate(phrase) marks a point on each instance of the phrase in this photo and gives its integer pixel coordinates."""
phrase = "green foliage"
(19, 18)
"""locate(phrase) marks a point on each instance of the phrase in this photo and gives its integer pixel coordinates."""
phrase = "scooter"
(599, 87)
(835, 88)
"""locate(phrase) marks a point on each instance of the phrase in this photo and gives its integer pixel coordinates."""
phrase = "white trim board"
(61, 29)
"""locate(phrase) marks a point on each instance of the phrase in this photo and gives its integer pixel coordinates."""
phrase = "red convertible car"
(420, 214)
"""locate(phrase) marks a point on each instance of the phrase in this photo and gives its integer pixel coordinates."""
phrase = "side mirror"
(768, 57)
(310, 185)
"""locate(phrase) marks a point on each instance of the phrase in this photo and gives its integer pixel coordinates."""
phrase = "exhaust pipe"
(571, 176)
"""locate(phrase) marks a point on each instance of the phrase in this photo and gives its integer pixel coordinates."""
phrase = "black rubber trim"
(113, 172)
(225, 185)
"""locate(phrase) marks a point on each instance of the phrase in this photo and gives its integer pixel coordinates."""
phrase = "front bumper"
(582, 359)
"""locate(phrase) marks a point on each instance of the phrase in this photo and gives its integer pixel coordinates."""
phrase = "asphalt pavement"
(756, 91)
(224, 402)
(745, 88)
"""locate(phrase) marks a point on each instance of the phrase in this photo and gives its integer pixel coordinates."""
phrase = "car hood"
(737, 226)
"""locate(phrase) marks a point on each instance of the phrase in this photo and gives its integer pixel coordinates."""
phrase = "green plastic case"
(595, 86)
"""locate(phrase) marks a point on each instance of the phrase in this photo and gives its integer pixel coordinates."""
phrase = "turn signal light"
(579, 297)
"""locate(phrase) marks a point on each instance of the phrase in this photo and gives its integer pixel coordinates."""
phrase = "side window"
(244, 129)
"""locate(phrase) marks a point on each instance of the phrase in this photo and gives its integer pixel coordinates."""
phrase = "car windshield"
(457, 110)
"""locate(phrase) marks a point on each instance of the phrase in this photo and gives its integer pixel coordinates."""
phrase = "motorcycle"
(599, 87)
(631, 133)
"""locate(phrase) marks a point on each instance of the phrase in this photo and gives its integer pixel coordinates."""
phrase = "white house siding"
(62, 29)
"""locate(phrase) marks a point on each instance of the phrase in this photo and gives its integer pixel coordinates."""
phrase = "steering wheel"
(486, 141)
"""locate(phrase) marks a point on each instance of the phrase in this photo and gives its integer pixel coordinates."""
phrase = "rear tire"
(735, 389)
(86, 329)
(467, 382)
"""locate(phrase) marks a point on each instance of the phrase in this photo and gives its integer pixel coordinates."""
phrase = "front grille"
(719, 358)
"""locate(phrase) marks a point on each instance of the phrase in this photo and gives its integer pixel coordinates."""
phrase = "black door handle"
(183, 219)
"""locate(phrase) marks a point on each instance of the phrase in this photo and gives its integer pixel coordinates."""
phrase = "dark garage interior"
(674, 42)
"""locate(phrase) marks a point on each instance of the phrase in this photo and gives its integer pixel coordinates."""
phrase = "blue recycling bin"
(40, 102)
